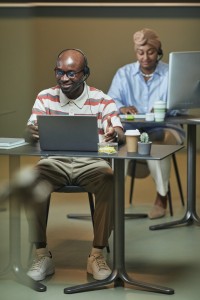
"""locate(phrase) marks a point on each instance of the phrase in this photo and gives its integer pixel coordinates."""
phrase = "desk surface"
(183, 119)
(157, 152)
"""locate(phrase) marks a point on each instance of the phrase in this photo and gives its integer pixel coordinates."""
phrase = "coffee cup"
(132, 137)
(149, 117)
(159, 111)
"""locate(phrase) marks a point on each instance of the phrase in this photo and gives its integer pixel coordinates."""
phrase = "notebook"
(9, 143)
(69, 133)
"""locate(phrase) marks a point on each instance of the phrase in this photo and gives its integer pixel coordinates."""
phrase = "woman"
(135, 87)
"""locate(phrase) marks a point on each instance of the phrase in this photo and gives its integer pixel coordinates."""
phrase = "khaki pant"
(160, 170)
(94, 174)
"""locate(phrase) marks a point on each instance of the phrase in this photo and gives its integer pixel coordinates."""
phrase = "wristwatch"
(116, 137)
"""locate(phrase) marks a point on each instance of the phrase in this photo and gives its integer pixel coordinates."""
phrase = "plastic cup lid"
(133, 132)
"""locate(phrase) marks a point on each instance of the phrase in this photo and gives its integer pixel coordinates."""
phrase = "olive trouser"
(95, 175)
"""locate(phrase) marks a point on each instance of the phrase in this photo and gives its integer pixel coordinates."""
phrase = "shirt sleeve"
(116, 91)
(38, 109)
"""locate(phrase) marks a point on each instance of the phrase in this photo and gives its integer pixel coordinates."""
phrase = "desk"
(190, 216)
(119, 275)
(191, 121)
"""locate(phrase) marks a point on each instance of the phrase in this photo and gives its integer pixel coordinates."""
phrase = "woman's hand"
(128, 110)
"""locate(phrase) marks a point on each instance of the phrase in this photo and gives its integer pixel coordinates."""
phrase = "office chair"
(132, 171)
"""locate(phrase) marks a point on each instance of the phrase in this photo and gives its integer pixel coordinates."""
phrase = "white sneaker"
(97, 266)
(42, 265)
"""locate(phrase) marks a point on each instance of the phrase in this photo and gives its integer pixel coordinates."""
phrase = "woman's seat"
(145, 172)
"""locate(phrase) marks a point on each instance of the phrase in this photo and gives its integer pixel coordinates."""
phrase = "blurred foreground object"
(25, 185)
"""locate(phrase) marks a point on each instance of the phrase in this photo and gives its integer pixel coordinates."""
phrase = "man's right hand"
(32, 133)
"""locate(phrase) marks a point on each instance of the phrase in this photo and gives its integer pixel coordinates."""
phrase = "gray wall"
(31, 38)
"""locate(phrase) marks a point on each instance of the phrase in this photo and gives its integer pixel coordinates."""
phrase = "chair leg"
(170, 200)
(178, 178)
(91, 202)
(132, 182)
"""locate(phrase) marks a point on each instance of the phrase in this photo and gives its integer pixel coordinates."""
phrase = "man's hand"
(32, 133)
(111, 134)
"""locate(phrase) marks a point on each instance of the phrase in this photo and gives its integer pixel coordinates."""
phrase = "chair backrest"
(138, 169)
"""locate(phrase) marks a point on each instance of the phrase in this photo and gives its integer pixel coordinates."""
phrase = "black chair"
(132, 171)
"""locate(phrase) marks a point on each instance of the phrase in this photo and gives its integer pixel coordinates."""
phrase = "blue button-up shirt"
(128, 87)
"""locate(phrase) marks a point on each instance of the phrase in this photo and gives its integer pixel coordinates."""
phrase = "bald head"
(71, 57)
(71, 71)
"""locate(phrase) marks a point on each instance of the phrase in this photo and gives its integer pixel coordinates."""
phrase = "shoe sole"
(97, 277)
(40, 278)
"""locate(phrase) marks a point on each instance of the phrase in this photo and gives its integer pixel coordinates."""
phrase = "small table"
(190, 216)
(191, 121)
(119, 275)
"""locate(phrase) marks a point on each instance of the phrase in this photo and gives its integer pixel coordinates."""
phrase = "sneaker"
(42, 266)
(97, 266)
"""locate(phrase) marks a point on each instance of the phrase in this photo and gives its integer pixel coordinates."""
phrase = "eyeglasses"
(69, 74)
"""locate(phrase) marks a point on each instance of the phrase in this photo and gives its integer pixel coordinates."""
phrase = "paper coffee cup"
(149, 117)
(132, 137)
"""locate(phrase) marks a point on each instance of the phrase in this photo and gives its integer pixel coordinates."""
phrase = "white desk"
(119, 275)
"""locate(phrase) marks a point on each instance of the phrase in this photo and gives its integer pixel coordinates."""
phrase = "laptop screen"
(184, 80)
(68, 133)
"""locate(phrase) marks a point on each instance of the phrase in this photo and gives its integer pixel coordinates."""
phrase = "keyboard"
(132, 116)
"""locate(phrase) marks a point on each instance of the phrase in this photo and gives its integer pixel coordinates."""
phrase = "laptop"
(184, 80)
(68, 133)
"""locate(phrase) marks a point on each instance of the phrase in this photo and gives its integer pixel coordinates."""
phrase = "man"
(134, 88)
(73, 96)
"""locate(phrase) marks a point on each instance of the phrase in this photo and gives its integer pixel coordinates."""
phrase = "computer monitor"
(184, 80)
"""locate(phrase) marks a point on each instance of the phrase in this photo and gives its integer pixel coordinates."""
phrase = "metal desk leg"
(190, 215)
(119, 275)
(15, 236)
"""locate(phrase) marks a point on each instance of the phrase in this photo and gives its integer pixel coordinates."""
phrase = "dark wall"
(32, 37)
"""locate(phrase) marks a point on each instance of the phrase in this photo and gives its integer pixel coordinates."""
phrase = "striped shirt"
(92, 101)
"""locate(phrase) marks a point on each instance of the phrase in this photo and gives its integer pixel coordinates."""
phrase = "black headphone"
(86, 69)
(160, 53)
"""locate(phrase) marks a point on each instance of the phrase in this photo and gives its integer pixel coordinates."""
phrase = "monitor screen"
(184, 80)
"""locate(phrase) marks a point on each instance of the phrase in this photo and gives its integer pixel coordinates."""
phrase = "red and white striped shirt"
(92, 101)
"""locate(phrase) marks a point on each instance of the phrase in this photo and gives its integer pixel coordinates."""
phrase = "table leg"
(15, 236)
(191, 214)
(119, 275)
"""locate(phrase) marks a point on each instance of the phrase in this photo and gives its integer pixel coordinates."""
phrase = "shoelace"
(37, 263)
(100, 261)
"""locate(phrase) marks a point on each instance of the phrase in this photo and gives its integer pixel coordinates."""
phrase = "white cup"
(149, 117)
(159, 111)
(132, 137)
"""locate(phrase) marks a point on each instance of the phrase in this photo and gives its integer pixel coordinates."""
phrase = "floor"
(165, 257)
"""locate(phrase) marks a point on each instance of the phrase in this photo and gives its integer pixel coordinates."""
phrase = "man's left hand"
(111, 134)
